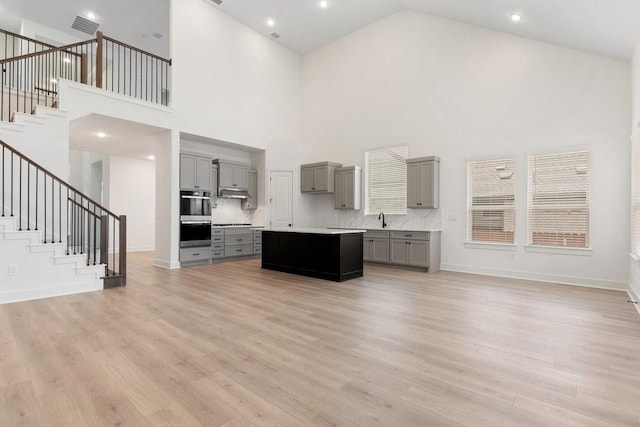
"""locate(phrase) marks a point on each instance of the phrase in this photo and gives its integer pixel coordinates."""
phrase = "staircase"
(32, 269)
(54, 240)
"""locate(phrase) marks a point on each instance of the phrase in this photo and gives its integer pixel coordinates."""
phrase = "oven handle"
(195, 222)
(196, 197)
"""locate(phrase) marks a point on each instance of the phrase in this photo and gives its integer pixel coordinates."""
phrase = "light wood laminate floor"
(233, 345)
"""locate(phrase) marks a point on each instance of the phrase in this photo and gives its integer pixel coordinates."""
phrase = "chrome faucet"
(384, 224)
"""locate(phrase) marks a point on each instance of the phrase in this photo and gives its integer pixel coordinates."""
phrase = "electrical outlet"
(12, 270)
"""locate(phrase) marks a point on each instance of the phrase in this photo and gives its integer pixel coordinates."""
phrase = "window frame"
(559, 249)
(501, 165)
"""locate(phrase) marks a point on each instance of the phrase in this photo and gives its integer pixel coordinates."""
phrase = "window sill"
(561, 250)
(491, 246)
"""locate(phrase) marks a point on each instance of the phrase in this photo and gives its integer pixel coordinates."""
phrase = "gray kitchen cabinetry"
(195, 172)
(415, 248)
(257, 242)
(348, 184)
(423, 183)
(232, 175)
(252, 201)
(318, 177)
(194, 255)
(214, 186)
(376, 246)
(238, 242)
(217, 244)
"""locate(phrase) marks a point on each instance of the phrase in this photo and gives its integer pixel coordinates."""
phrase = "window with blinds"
(635, 195)
(558, 199)
(386, 180)
(491, 189)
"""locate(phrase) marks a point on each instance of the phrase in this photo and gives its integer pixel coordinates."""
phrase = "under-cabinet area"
(403, 247)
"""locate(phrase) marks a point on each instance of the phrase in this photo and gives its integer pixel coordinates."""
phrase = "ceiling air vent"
(85, 25)
(275, 35)
(218, 2)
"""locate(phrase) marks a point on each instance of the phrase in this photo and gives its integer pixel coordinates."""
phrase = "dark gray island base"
(322, 253)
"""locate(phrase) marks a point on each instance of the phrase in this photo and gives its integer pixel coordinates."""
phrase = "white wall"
(233, 84)
(132, 193)
(462, 93)
(634, 265)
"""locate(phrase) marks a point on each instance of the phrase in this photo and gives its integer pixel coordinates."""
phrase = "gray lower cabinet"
(238, 242)
(235, 242)
(411, 248)
(195, 255)
(376, 246)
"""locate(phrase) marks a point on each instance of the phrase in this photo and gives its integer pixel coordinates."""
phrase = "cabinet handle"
(408, 235)
(235, 185)
(238, 250)
(313, 188)
(196, 254)
(238, 240)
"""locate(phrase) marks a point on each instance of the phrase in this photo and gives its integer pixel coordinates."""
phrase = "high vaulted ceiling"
(605, 27)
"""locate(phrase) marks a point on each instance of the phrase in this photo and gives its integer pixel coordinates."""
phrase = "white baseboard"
(633, 296)
(540, 277)
(54, 291)
(141, 249)
(166, 264)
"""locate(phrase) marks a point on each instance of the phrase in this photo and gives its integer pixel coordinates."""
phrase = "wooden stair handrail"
(128, 46)
(29, 39)
(48, 51)
(53, 176)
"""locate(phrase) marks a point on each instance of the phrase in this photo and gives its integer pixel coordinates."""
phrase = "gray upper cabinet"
(348, 184)
(195, 172)
(232, 175)
(318, 177)
(252, 201)
(423, 183)
(214, 186)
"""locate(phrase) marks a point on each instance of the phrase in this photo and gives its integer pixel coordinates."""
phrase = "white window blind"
(491, 189)
(635, 195)
(558, 199)
(386, 180)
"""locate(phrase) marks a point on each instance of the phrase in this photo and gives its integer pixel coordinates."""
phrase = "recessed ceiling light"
(323, 4)
(271, 22)
(54, 81)
(151, 157)
(516, 17)
(101, 134)
(67, 60)
(91, 15)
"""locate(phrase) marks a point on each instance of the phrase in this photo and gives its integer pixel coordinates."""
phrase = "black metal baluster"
(68, 238)
(53, 212)
(44, 206)
(60, 211)
(28, 195)
(95, 235)
(4, 178)
(12, 156)
(36, 198)
(20, 201)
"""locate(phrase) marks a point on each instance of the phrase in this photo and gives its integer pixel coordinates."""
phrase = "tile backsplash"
(228, 211)
(415, 219)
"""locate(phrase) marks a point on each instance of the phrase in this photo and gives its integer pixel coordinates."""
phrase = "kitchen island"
(325, 253)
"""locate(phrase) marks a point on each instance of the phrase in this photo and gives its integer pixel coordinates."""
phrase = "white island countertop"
(315, 230)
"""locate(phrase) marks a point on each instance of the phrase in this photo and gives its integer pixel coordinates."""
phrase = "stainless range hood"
(228, 193)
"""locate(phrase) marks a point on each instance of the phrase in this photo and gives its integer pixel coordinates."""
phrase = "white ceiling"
(122, 138)
(604, 27)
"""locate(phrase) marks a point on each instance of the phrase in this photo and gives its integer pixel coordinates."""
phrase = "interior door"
(281, 198)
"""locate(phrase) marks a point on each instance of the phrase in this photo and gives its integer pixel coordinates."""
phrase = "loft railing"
(31, 79)
(12, 45)
(39, 200)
